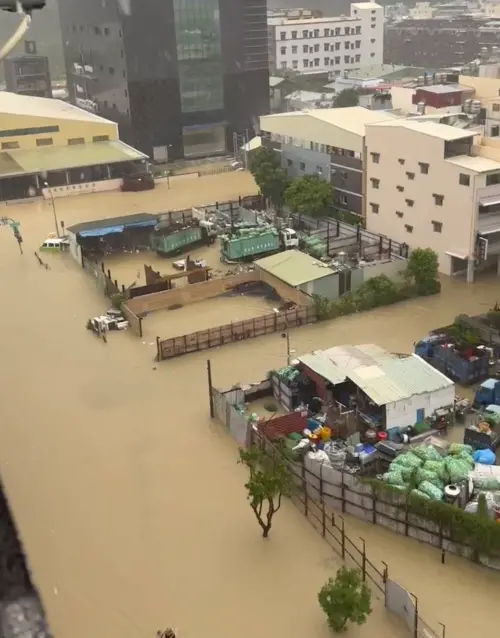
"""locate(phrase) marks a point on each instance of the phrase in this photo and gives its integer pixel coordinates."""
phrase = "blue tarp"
(485, 457)
(100, 232)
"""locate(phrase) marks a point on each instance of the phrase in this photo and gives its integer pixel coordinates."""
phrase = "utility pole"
(53, 207)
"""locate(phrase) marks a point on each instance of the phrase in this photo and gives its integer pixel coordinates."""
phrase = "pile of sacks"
(428, 471)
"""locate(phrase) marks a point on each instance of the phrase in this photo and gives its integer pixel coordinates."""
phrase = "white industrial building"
(397, 391)
(328, 45)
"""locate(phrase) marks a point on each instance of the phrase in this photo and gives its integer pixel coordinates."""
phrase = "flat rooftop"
(13, 104)
(294, 267)
(441, 131)
(475, 163)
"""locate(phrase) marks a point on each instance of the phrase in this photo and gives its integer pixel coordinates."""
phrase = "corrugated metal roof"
(294, 267)
(384, 377)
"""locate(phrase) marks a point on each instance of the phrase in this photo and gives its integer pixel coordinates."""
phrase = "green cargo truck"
(253, 243)
(178, 241)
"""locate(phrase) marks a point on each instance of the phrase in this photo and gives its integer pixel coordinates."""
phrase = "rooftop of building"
(311, 96)
(384, 377)
(308, 21)
(442, 89)
(54, 158)
(474, 163)
(365, 5)
(13, 104)
(442, 131)
(114, 224)
(352, 118)
(294, 267)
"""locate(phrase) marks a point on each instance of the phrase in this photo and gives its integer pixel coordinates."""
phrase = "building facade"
(430, 186)
(439, 42)
(180, 77)
(331, 45)
(28, 74)
(328, 143)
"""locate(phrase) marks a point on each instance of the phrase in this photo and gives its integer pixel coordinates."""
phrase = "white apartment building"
(328, 45)
(428, 185)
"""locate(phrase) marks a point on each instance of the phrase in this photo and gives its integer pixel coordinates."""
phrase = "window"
(283, 35)
(408, 228)
(305, 63)
(399, 214)
(337, 60)
(289, 162)
(410, 175)
(358, 58)
(294, 35)
(283, 50)
(358, 30)
(294, 49)
(305, 34)
(337, 46)
(357, 44)
(302, 166)
(327, 46)
(343, 175)
(373, 19)
(283, 65)
(342, 199)
(73, 141)
(373, 26)
(347, 59)
(97, 31)
(106, 31)
(100, 138)
(316, 33)
(9, 146)
(438, 199)
(494, 178)
(305, 48)
(424, 168)
(316, 48)
(372, 55)
(316, 61)
(372, 40)
(327, 33)
(374, 208)
(347, 45)
(17, 132)
(437, 227)
(295, 64)
(327, 61)
(496, 107)
(337, 31)
(44, 141)
(409, 202)
(464, 180)
(375, 182)
(347, 30)
(401, 161)
(319, 170)
(400, 188)
(495, 131)
(375, 157)
(111, 70)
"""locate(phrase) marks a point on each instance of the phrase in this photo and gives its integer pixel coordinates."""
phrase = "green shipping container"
(176, 241)
(245, 247)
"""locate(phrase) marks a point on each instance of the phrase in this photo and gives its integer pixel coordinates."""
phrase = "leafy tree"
(422, 271)
(270, 479)
(309, 195)
(347, 97)
(271, 179)
(345, 599)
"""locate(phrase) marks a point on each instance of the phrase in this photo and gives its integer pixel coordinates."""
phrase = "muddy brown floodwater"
(128, 498)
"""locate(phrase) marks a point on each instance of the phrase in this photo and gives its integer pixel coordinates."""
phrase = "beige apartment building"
(430, 186)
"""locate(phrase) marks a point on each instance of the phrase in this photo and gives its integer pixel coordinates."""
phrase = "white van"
(54, 244)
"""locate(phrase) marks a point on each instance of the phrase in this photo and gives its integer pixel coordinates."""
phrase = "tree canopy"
(270, 479)
(422, 270)
(271, 179)
(309, 195)
(347, 97)
(345, 599)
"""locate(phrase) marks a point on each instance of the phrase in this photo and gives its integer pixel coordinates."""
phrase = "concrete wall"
(82, 189)
(325, 287)
(189, 293)
(312, 160)
(391, 269)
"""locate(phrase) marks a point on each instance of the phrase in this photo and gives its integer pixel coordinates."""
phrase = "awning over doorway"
(57, 158)
(489, 201)
(457, 255)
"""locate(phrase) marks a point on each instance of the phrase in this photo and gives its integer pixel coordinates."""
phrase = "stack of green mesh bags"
(425, 472)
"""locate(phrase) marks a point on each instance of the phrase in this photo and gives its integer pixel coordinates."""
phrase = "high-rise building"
(28, 73)
(180, 77)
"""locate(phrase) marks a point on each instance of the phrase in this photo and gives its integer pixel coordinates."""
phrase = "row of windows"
(302, 166)
(437, 227)
(308, 64)
(306, 48)
(316, 33)
(312, 146)
(48, 141)
(93, 29)
(18, 132)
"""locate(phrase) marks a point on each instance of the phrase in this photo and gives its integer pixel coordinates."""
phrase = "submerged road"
(129, 500)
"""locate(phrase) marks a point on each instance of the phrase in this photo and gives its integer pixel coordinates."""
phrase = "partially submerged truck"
(175, 238)
(248, 244)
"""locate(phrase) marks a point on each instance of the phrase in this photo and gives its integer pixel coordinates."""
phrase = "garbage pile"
(425, 471)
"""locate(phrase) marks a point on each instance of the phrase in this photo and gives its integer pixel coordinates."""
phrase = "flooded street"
(129, 500)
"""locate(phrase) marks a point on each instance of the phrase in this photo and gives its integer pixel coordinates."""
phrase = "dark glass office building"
(180, 77)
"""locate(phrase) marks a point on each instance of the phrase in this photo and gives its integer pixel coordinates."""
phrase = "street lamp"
(286, 335)
(46, 184)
